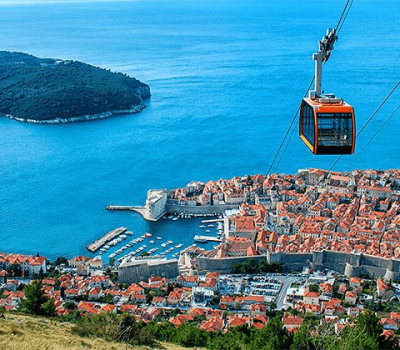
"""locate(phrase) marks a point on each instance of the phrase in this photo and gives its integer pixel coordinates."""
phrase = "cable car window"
(308, 123)
(335, 129)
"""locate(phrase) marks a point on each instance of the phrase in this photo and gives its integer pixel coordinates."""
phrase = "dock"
(139, 210)
(211, 220)
(96, 245)
(198, 238)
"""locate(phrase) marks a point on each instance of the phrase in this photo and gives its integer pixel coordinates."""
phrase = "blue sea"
(226, 79)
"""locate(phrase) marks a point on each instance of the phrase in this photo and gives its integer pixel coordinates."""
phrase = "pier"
(198, 238)
(96, 245)
(211, 220)
(139, 210)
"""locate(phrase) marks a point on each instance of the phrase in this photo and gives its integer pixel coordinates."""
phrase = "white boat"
(175, 218)
(202, 226)
(179, 245)
(207, 231)
(170, 242)
(152, 242)
(130, 233)
(159, 238)
(210, 225)
(163, 245)
(123, 236)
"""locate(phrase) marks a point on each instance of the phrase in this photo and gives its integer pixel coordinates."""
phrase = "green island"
(50, 90)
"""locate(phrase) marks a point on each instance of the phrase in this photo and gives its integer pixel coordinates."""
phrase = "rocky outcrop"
(57, 91)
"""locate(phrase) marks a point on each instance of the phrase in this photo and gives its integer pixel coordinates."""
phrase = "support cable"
(369, 119)
(376, 133)
(339, 26)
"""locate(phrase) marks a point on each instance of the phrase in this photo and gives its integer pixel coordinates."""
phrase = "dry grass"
(20, 332)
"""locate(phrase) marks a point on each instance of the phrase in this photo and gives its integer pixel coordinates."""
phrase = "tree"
(272, 336)
(190, 336)
(36, 302)
(14, 270)
(272, 306)
(61, 260)
(70, 305)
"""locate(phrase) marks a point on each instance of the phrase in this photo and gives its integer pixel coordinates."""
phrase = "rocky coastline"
(52, 91)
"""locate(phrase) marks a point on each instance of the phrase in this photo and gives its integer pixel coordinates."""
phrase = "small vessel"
(175, 218)
(159, 238)
(207, 231)
(199, 239)
(179, 245)
(210, 225)
(123, 236)
(170, 242)
(202, 226)
(163, 245)
(130, 233)
(147, 234)
(152, 242)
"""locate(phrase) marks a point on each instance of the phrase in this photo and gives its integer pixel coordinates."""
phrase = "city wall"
(142, 270)
(350, 264)
(199, 210)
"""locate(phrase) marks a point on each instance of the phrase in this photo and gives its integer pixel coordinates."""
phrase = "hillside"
(20, 332)
(48, 90)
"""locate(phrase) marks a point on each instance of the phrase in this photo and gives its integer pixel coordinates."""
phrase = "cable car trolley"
(327, 123)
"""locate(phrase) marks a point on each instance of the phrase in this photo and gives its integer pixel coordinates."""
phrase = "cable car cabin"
(327, 125)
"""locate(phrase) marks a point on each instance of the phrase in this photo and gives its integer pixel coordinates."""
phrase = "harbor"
(96, 245)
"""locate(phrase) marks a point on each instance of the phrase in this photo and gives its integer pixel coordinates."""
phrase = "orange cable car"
(327, 123)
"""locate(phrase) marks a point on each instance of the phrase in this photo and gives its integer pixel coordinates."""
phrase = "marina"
(96, 245)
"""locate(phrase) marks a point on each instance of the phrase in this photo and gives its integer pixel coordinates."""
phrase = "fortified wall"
(199, 209)
(350, 264)
(143, 269)
(158, 204)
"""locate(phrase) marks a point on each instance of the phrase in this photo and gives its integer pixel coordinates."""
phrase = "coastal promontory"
(50, 90)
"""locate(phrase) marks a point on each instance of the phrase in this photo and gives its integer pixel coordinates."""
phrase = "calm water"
(226, 79)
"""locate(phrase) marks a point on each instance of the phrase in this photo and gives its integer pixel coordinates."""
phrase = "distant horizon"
(37, 2)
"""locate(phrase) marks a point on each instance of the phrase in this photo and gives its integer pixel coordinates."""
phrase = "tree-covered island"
(56, 91)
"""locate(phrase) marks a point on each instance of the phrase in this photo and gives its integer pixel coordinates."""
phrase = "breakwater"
(96, 245)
